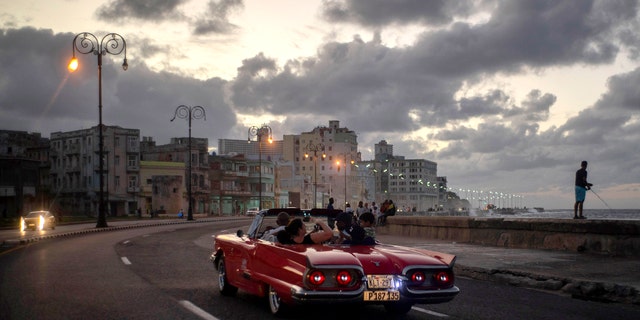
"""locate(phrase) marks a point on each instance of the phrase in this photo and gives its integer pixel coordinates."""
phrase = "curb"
(577, 289)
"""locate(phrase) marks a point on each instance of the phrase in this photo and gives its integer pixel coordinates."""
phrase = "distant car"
(396, 277)
(38, 220)
(252, 211)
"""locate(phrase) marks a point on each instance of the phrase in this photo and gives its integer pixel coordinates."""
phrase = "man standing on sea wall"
(581, 190)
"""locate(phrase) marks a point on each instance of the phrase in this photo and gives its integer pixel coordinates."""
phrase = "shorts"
(581, 193)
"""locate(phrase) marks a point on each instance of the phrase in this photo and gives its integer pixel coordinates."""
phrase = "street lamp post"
(345, 177)
(87, 43)
(189, 113)
(311, 147)
(259, 132)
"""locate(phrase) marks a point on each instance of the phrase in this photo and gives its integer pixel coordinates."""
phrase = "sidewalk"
(582, 276)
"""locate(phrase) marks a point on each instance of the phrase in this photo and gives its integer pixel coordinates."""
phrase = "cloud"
(216, 18)
(148, 10)
(376, 13)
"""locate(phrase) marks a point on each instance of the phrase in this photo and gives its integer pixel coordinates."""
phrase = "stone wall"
(617, 237)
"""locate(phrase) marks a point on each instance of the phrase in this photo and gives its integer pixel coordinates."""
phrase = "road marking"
(197, 311)
(433, 313)
(125, 260)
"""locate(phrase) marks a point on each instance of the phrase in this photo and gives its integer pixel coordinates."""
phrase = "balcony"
(133, 189)
(235, 193)
(235, 174)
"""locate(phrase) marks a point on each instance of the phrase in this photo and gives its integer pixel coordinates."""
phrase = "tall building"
(413, 184)
(325, 158)
(75, 174)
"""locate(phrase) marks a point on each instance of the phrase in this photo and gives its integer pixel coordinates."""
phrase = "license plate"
(381, 295)
(376, 281)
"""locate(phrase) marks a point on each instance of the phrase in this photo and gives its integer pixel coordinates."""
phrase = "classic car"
(288, 275)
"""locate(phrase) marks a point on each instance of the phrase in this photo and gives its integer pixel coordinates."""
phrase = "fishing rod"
(601, 199)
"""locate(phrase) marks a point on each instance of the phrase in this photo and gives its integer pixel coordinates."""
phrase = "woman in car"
(296, 233)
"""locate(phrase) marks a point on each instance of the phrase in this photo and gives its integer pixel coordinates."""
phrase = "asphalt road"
(163, 272)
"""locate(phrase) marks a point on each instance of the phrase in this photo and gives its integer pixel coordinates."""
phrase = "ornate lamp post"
(260, 132)
(311, 147)
(345, 177)
(87, 43)
(189, 113)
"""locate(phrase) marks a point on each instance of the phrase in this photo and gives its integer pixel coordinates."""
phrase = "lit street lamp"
(87, 43)
(259, 132)
(345, 177)
(189, 113)
(315, 148)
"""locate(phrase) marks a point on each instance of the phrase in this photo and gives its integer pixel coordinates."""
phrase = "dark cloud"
(38, 94)
(216, 18)
(149, 10)
(378, 13)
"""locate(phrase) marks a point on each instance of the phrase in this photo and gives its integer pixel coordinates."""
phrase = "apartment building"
(75, 170)
(195, 160)
(24, 170)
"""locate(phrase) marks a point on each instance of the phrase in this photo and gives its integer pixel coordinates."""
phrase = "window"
(132, 161)
(133, 181)
(116, 161)
(116, 181)
(132, 141)
(116, 141)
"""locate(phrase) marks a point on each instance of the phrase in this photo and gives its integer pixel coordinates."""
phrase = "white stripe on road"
(125, 260)
(433, 313)
(197, 311)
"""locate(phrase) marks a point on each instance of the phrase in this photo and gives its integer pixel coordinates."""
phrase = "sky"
(506, 96)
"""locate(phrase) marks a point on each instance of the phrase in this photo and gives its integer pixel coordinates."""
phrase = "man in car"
(348, 232)
(282, 220)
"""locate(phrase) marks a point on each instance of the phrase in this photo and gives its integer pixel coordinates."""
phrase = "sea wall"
(615, 237)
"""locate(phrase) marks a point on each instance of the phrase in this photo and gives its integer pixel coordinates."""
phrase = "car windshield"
(36, 214)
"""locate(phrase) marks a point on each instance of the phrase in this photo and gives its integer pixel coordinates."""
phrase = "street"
(164, 272)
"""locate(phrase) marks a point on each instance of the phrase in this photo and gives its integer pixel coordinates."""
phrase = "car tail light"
(417, 277)
(316, 278)
(443, 278)
(344, 278)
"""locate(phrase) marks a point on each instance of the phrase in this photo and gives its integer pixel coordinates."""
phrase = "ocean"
(598, 214)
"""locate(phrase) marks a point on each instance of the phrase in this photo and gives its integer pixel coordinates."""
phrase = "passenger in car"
(282, 220)
(349, 233)
(296, 233)
(367, 220)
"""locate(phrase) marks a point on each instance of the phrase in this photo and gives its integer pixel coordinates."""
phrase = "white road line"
(433, 313)
(125, 260)
(197, 311)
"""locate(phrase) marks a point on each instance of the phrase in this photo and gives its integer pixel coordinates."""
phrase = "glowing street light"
(311, 147)
(87, 43)
(260, 132)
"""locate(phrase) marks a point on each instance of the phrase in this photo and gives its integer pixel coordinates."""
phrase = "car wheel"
(226, 289)
(398, 308)
(275, 304)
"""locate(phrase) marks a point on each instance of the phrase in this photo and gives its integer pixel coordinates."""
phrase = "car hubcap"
(274, 300)
(221, 276)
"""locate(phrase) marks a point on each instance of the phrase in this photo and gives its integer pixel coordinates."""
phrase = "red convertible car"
(394, 276)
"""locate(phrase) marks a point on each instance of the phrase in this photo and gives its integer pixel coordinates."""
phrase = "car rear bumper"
(302, 296)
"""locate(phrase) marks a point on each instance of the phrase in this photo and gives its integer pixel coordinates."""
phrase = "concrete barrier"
(616, 237)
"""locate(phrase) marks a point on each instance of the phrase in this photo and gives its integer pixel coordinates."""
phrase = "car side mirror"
(239, 233)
